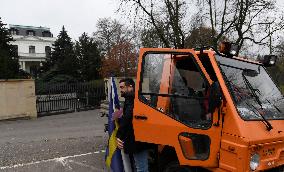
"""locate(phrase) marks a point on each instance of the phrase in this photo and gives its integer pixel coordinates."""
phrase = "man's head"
(126, 86)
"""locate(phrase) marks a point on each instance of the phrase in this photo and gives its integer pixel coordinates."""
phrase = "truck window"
(174, 85)
(252, 89)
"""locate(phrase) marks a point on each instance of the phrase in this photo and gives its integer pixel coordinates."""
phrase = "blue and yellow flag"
(113, 154)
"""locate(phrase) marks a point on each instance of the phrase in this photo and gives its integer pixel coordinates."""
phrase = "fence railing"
(61, 98)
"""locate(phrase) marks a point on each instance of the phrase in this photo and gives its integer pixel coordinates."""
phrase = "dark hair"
(128, 82)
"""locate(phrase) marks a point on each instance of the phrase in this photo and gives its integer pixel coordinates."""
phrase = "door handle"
(140, 117)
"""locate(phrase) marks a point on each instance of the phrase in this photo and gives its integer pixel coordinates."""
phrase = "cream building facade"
(33, 44)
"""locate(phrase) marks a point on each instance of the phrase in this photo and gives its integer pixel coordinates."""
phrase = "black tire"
(175, 167)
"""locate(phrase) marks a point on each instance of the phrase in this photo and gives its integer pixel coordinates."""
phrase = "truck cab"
(205, 110)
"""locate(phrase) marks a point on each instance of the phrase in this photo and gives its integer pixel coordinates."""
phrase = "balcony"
(32, 55)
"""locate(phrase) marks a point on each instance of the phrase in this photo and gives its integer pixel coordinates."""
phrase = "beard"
(122, 94)
(127, 94)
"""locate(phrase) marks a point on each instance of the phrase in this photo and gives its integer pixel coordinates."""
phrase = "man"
(125, 134)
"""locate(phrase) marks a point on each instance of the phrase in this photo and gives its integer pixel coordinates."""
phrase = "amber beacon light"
(228, 48)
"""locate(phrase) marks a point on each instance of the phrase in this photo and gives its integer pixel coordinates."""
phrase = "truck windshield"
(254, 93)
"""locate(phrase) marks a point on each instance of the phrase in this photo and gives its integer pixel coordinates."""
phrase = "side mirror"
(215, 97)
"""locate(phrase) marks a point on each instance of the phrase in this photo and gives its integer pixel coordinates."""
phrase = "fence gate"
(63, 98)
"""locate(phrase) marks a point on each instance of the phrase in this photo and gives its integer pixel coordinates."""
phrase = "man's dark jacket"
(125, 131)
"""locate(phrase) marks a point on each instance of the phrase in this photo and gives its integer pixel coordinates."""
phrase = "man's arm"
(125, 122)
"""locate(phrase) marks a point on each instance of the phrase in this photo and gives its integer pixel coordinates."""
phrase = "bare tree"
(277, 71)
(111, 32)
(199, 37)
(150, 38)
(280, 49)
(165, 17)
(120, 61)
(243, 20)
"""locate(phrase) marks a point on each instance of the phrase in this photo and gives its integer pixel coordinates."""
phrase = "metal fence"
(63, 98)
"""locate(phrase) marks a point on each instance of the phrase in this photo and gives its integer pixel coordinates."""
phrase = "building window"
(47, 51)
(14, 31)
(30, 33)
(31, 49)
(46, 34)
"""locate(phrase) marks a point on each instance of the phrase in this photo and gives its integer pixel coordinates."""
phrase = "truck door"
(171, 106)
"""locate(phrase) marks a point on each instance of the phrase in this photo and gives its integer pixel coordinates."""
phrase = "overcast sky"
(77, 16)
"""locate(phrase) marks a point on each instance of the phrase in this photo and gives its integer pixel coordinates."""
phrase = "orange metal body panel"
(187, 144)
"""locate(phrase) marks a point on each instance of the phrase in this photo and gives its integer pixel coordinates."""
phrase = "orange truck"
(205, 110)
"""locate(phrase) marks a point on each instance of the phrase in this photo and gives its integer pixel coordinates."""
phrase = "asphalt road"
(65, 142)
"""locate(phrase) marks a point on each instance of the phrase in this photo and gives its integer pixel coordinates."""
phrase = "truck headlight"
(254, 161)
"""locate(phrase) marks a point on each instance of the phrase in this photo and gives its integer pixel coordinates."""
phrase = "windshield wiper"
(252, 90)
(274, 106)
(266, 123)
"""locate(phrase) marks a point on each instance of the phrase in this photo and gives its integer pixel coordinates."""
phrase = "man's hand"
(208, 116)
(119, 143)
(117, 114)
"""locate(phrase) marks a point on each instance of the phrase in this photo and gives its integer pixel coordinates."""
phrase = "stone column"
(24, 65)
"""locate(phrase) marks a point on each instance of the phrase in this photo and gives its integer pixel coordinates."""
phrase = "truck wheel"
(175, 167)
